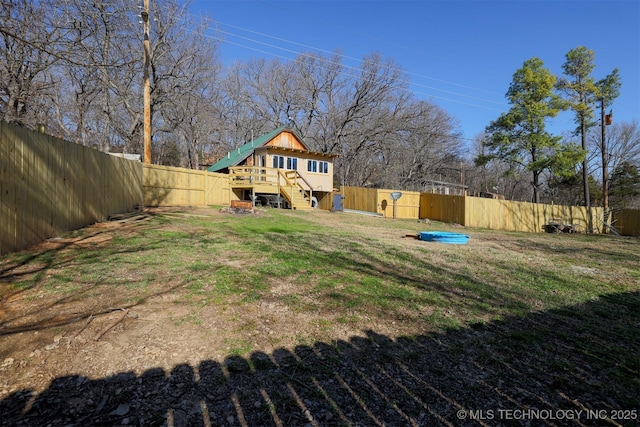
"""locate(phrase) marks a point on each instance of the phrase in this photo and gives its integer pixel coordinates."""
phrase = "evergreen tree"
(581, 90)
(519, 136)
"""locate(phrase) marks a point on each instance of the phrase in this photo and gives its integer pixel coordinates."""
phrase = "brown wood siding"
(286, 140)
(627, 222)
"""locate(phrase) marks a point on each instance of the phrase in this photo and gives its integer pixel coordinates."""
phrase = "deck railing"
(294, 180)
(248, 176)
(256, 176)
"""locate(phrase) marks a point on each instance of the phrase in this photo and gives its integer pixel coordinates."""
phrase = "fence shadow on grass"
(570, 366)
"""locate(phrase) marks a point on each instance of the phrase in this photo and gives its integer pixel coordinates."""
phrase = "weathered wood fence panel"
(49, 186)
(627, 222)
(169, 186)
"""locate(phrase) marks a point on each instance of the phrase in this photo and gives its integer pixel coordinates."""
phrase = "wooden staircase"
(296, 190)
(292, 186)
(296, 198)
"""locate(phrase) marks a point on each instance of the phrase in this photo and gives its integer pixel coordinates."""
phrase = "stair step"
(296, 198)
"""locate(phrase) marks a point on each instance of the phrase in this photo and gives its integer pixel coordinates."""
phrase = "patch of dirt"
(75, 359)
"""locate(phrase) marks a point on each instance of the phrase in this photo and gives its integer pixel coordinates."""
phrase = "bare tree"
(623, 143)
(92, 66)
(184, 75)
(75, 66)
(358, 119)
(496, 176)
(95, 47)
(433, 146)
(235, 109)
(319, 80)
(24, 60)
(383, 136)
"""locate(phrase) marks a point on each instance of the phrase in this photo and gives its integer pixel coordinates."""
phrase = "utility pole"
(609, 89)
(147, 84)
(605, 120)
(603, 149)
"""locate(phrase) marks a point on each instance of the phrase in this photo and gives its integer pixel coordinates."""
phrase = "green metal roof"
(239, 154)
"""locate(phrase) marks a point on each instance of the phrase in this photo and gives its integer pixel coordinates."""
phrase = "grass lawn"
(198, 317)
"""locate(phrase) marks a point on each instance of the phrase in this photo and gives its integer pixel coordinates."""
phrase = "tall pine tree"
(519, 136)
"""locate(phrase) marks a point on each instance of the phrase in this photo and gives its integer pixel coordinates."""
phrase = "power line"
(345, 56)
(356, 69)
(306, 46)
(354, 76)
(298, 53)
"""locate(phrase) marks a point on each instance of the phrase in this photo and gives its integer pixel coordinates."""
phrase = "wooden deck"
(261, 180)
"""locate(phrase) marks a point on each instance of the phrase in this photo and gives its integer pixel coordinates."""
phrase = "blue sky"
(460, 54)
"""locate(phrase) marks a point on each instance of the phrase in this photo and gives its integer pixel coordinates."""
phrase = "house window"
(316, 166)
(278, 162)
(324, 167)
(292, 163)
(312, 166)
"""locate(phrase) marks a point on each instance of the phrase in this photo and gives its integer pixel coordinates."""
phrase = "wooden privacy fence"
(360, 199)
(407, 206)
(474, 212)
(49, 186)
(627, 222)
(169, 186)
(496, 214)
(379, 201)
(524, 216)
(443, 208)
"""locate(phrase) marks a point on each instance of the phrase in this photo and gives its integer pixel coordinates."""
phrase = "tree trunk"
(585, 176)
(605, 166)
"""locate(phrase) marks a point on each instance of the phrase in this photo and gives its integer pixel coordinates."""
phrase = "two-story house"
(278, 169)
